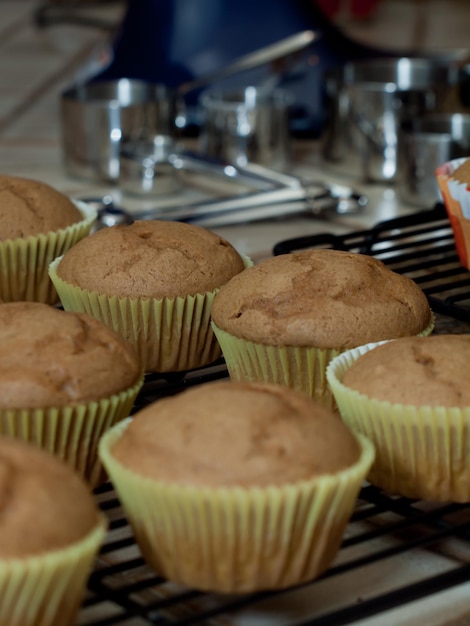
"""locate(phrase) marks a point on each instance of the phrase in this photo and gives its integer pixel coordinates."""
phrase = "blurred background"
(56, 47)
(173, 41)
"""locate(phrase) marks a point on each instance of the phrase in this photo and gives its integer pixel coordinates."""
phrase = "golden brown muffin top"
(430, 371)
(236, 434)
(151, 259)
(30, 207)
(44, 505)
(321, 298)
(53, 358)
(462, 172)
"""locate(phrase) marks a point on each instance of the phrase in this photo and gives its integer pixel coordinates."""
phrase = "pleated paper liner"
(302, 368)
(421, 452)
(24, 263)
(170, 334)
(48, 589)
(72, 433)
(456, 197)
(234, 539)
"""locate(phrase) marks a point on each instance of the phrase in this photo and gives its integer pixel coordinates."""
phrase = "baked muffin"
(411, 398)
(37, 224)
(204, 473)
(153, 282)
(50, 532)
(64, 379)
(454, 182)
(283, 320)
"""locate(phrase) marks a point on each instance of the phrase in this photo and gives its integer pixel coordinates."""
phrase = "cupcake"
(65, 378)
(37, 224)
(454, 182)
(237, 487)
(50, 532)
(411, 398)
(153, 282)
(284, 319)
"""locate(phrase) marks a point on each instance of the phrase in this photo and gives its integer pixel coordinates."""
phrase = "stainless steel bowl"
(431, 141)
(96, 117)
(368, 104)
(146, 167)
(246, 126)
(407, 74)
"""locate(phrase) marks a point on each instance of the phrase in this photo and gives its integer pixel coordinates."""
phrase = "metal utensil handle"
(259, 57)
(201, 210)
(252, 174)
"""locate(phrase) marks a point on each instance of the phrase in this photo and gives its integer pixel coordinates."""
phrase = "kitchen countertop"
(35, 65)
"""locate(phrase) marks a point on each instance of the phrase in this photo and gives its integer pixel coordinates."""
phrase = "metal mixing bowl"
(97, 116)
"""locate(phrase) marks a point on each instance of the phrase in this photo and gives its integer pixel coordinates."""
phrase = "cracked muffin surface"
(53, 358)
(31, 207)
(325, 298)
(419, 371)
(151, 259)
(44, 505)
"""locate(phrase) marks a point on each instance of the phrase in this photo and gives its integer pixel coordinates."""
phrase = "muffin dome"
(420, 371)
(462, 172)
(44, 505)
(50, 533)
(30, 207)
(151, 259)
(236, 434)
(237, 487)
(322, 298)
(153, 282)
(55, 358)
(411, 398)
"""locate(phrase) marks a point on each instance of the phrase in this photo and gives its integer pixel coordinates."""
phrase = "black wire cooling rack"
(372, 573)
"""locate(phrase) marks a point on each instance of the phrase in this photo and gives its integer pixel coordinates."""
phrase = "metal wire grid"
(125, 591)
(118, 587)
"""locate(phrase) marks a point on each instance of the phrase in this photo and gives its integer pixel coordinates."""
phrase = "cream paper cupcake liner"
(303, 368)
(456, 197)
(72, 433)
(48, 589)
(170, 334)
(24, 263)
(237, 540)
(421, 452)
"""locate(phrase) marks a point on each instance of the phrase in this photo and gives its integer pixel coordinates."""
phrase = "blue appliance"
(173, 41)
